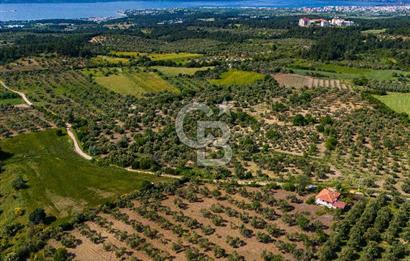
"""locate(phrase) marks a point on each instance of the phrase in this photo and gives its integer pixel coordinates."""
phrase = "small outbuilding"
(329, 197)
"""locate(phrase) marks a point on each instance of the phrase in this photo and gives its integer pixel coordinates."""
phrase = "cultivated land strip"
(84, 155)
(77, 147)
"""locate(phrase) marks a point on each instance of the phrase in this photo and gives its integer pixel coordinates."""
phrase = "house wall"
(323, 203)
(302, 23)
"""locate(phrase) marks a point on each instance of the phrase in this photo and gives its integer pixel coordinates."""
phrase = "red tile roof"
(328, 195)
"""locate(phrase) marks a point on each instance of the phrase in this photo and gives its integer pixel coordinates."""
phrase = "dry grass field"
(201, 222)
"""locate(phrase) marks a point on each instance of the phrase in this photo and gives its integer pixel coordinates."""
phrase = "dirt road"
(22, 95)
(77, 147)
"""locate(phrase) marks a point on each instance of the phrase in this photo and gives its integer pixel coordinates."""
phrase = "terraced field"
(198, 222)
(300, 81)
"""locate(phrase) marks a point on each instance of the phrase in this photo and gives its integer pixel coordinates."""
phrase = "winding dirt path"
(77, 147)
(22, 95)
(153, 173)
(70, 133)
(86, 156)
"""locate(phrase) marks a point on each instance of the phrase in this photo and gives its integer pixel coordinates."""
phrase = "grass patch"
(126, 54)
(9, 98)
(132, 82)
(108, 60)
(175, 71)
(178, 58)
(399, 102)
(14, 101)
(374, 31)
(336, 71)
(58, 179)
(237, 77)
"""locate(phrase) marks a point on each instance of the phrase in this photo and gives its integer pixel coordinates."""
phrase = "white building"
(341, 22)
(329, 198)
(336, 22)
(304, 22)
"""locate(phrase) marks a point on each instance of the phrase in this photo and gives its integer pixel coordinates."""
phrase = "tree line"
(33, 44)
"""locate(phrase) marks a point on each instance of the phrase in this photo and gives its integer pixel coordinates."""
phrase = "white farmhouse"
(329, 197)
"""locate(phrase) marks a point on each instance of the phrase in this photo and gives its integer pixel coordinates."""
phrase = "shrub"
(406, 186)
(310, 200)
(12, 229)
(269, 256)
(59, 132)
(19, 183)
(18, 212)
(37, 216)
(331, 143)
(61, 254)
(279, 107)
(262, 237)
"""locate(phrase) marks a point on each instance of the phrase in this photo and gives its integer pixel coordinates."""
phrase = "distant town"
(320, 22)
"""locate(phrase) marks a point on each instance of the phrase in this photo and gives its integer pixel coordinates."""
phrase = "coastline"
(16, 10)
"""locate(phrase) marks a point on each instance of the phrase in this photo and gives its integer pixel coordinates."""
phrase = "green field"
(126, 54)
(108, 60)
(134, 83)
(336, 71)
(237, 77)
(175, 71)
(11, 101)
(399, 102)
(175, 57)
(58, 179)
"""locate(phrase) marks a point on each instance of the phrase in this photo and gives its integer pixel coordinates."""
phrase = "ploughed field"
(200, 222)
